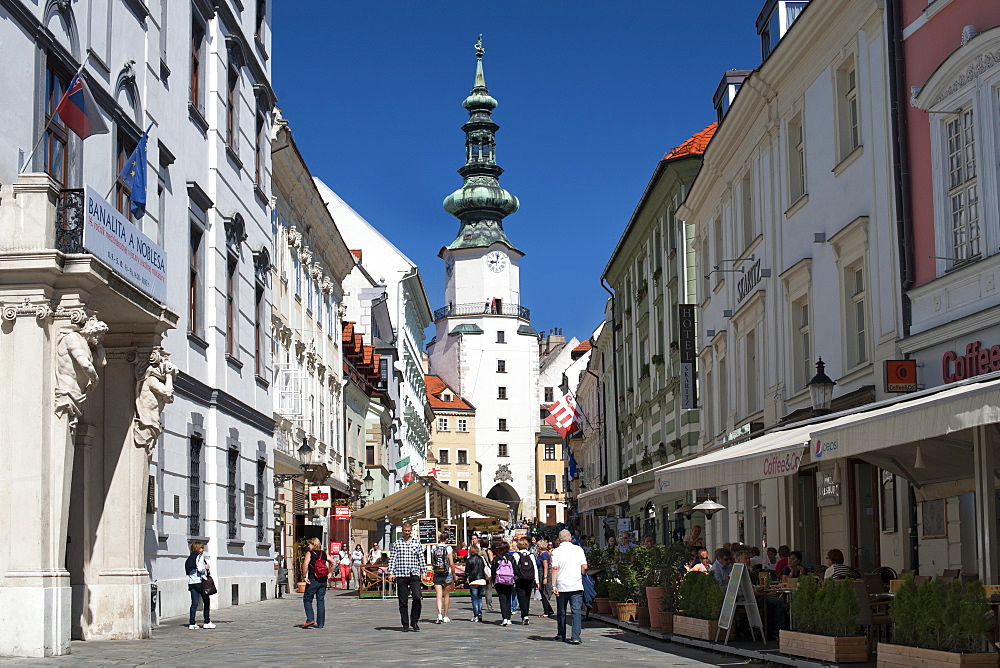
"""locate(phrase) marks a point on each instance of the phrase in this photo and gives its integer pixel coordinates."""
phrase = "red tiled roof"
(695, 145)
(436, 387)
(583, 347)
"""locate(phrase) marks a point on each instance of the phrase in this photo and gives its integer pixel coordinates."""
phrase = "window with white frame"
(796, 159)
(463, 456)
(502, 450)
(708, 403)
(752, 392)
(443, 457)
(717, 241)
(857, 314)
(550, 485)
(723, 380)
(746, 210)
(463, 424)
(463, 485)
(963, 187)
(443, 424)
(848, 114)
(801, 343)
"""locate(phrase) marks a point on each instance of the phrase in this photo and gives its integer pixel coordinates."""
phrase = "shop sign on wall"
(688, 353)
(827, 491)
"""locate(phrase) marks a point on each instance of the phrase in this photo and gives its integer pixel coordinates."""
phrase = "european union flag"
(133, 175)
(572, 466)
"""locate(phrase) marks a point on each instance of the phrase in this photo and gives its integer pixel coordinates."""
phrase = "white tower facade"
(484, 346)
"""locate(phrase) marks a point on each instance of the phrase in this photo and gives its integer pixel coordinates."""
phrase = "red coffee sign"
(976, 360)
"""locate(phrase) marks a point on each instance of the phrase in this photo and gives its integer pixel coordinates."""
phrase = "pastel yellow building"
(453, 440)
(549, 476)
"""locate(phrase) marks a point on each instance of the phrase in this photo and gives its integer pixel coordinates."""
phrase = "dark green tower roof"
(480, 204)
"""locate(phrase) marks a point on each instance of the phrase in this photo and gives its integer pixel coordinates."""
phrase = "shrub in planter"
(938, 617)
(826, 623)
(700, 596)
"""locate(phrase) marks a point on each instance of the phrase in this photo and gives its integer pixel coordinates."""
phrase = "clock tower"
(485, 347)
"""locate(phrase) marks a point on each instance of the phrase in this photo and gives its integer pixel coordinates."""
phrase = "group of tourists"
(517, 575)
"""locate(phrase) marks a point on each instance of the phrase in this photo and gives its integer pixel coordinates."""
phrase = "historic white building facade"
(311, 262)
(796, 257)
(121, 479)
(484, 346)
(387, 282)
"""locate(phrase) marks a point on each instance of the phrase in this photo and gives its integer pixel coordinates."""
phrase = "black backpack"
(525, 569)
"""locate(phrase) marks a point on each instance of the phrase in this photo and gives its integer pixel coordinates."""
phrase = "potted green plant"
(826, 623)
(940, 625)
(699, 598)
(602, 602)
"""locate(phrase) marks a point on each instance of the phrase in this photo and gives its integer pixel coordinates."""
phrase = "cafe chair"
(887, 574)
(875, 584)
(968, 577)
(873, 616)
(951, 573)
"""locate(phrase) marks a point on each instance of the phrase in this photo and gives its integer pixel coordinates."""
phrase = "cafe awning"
(410, 502)
(939, 421)
(778, 453)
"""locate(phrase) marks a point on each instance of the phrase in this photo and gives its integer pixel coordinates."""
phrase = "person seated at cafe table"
(771, 560)
(783, 551)
(723, 566)
(794, 569)
(701, 561)
(836, 569)
(756, 559)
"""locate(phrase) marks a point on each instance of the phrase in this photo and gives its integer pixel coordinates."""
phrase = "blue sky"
(592, 94)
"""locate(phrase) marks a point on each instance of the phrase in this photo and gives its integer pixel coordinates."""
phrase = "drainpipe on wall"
(614, 363)
(900, 156)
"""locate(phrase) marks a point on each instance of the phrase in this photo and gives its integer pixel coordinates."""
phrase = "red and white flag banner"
(564, 416)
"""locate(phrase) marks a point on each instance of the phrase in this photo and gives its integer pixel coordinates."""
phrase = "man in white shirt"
(569, 563)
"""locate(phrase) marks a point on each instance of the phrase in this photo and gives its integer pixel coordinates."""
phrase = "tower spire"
(480, 204)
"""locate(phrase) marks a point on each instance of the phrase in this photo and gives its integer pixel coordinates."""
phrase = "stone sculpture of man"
(78, 356)
(154, 390)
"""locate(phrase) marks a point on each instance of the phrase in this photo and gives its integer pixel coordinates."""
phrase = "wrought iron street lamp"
(821, 389)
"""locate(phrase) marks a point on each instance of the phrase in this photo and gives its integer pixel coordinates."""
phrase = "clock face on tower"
(496, 261)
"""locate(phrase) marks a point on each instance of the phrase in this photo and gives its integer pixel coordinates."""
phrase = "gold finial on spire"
(479, 47)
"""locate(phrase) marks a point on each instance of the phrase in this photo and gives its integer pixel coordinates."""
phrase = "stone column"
(984, 457)
(118, 583)
(36, 457)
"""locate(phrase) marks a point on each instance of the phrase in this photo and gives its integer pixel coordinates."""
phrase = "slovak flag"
(79, 112)
(564, 415)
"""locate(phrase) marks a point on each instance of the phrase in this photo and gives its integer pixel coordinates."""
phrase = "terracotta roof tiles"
(436, 387)
(695, 145)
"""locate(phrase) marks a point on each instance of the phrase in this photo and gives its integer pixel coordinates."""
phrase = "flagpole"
(27, 161)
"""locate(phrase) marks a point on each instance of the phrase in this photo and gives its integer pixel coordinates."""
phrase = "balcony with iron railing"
(482, 308)
(69, 220)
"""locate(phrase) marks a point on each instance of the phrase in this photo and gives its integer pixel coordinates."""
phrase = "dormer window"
(726, 92)
(775, 20)
(446, 397)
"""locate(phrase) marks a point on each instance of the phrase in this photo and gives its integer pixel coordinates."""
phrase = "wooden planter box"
(824, 648)
(918, 657)
(667, 622)
(702, 629)
(602, 604)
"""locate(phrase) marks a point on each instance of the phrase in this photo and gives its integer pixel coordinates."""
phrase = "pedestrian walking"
(544, 562)
(443, 563)
(504, 569)
(475, 575)
(406, 566)
(357, 558)
(487, 555)
(525, 578)
(569, 563)
(345, 567)
(316, 566)
(197, 569)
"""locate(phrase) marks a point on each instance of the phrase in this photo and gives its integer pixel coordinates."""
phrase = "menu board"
(427, 530)
(739, 584)
(452, 530)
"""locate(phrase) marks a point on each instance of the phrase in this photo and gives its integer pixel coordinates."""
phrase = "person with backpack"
(525, 578)
(504, 569)
(196, 567)
(443, 563)
(476, 575)
(316, 566)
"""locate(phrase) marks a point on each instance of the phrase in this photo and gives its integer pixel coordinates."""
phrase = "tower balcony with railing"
(482, 308)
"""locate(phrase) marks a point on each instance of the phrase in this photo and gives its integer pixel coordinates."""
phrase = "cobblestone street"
(367, 632)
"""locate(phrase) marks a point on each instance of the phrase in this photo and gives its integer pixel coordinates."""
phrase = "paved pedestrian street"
(366, 632)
